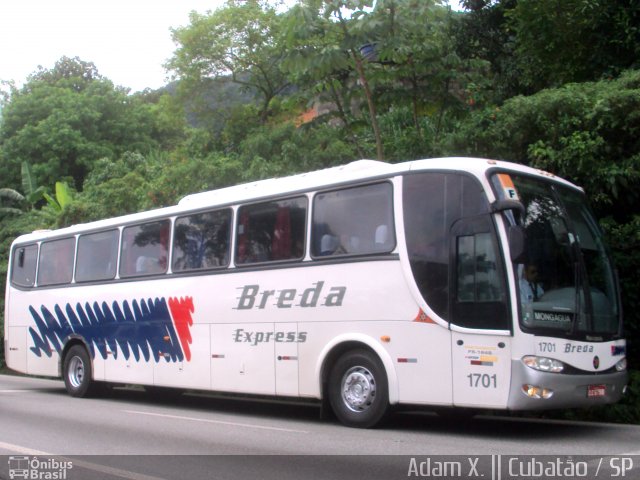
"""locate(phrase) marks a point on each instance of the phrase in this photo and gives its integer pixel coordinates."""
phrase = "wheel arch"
(344, 343)
(71, 341)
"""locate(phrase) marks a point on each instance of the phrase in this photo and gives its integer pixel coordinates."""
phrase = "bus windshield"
(566, 280)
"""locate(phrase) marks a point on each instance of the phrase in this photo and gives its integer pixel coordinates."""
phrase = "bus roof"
(360, 170)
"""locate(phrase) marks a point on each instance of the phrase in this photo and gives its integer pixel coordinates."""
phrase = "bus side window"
(271, 231)
(97, 256)
(56, 262)
(23, 271)
(145, 249)
(201, 241)
(353, 221)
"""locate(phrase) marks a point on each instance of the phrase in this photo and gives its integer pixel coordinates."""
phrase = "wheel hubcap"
(358, 389)
(76, 372)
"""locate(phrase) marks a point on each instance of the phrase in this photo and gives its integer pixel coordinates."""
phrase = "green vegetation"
(260, 91)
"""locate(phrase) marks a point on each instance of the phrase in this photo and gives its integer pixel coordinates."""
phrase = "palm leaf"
(52, 201)
(27, 179)
(11, 195)
(63, 194)
(10, 211)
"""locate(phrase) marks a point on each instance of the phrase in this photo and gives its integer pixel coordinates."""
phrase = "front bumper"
(569, 391)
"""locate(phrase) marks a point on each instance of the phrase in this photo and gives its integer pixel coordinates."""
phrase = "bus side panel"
(22, 354)
(242, 360)
(286, 363)
(370, 300)
(423, 363)
(118, 369)
(420, 354)
(16, 353)
(194, 371)
(43, 364)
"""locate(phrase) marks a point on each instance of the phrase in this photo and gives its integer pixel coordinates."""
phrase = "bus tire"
(358, 389)
(77, 372)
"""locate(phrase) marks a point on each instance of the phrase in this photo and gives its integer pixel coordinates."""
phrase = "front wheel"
(77, 372)
(358, 389)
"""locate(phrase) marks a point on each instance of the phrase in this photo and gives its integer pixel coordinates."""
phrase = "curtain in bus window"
(243, 230)
(165, 233)
(281, 243)
(272, 231)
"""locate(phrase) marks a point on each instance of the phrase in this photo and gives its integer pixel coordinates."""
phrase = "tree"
(237, 40)
(31, 194)
(483, 33)
(417, 65)
(324, 42)
(586, 132)
(9, 197)
(536, 44)
(66, 118)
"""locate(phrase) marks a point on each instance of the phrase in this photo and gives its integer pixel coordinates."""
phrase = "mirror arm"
(504, 205)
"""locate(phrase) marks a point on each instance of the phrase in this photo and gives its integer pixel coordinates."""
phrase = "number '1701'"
(483, 380)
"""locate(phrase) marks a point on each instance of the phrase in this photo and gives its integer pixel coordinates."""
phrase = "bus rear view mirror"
(517, 242)
(516, 234)
(515, 206)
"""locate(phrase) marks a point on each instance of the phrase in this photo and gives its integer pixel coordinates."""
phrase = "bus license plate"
(596, 391)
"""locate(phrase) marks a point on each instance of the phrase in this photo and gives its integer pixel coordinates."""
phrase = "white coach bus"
(451, 282)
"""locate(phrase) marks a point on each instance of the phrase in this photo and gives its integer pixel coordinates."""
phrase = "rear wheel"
(358, 389)
(77, 372)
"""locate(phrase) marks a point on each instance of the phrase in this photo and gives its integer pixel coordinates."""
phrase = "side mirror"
(508, 205)
(517, 238)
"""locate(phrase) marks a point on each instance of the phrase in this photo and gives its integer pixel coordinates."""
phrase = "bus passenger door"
(480, 320)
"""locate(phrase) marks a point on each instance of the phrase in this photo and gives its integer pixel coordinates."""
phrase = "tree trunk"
(372, 107)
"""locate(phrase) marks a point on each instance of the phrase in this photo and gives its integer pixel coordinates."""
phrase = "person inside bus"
(530, 288)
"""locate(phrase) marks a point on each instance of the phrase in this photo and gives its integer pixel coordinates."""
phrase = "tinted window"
(145, 249)
(479, 297)
(201, 241)
(56, 261)
(97, 256)
(271, 231)
(478, 277)
(353, 221)
(23, 270)
(432, 203)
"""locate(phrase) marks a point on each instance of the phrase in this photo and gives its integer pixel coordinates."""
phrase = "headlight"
(543, 364)
(621, 366)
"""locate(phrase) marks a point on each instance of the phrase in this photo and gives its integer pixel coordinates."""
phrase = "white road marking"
(116, 472)
(23, 450)
(16, 391)
(218, 422)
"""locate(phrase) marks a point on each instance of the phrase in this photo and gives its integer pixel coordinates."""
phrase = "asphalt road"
(132, 434)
